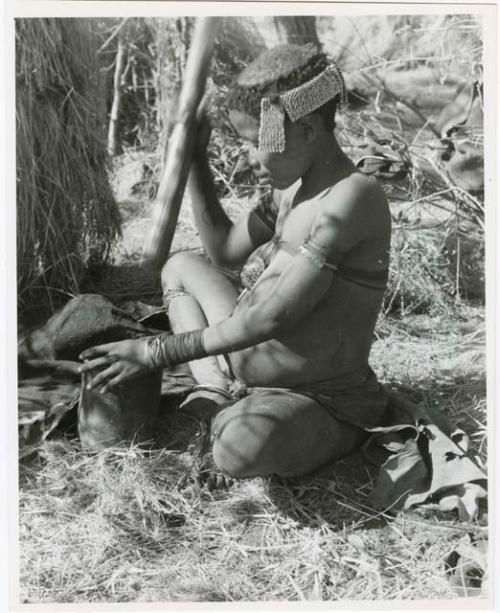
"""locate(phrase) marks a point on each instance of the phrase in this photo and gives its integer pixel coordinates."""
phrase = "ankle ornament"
(208, 387)
(171, 294)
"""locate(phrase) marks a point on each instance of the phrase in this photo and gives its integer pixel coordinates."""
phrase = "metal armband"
(155, 353)
(315, 254)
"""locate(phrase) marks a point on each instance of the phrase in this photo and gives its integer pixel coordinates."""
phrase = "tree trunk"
(113, 144)
(297, 30)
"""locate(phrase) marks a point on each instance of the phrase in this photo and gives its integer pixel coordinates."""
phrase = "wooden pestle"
(180, 144)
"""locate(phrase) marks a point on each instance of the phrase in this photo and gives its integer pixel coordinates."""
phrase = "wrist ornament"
(166, 351)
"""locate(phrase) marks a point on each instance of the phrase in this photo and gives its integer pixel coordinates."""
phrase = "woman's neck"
(329, 166)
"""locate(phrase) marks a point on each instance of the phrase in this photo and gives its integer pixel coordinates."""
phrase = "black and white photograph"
(252, 319)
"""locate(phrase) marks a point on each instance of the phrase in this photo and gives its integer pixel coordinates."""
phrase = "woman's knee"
(286, 436)
(239, 443)
(174, 270)
(229, 459)
(249, 445)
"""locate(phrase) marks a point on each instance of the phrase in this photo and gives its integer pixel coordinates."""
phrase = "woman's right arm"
(227, 243)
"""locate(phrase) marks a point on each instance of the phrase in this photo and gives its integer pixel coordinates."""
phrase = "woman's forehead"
(246, 125)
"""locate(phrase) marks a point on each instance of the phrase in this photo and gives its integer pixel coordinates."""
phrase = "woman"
(315, 265)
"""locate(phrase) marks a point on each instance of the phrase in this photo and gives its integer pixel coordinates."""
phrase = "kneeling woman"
(295, 334)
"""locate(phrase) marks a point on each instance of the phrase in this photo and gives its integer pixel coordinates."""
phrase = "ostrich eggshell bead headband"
(297, 103)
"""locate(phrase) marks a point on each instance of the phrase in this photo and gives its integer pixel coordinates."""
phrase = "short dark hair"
(278, 70)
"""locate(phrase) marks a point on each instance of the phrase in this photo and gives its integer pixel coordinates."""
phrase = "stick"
(116, 31)
(180, 145)
(117, 98)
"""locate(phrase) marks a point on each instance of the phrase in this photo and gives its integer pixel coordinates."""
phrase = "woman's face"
(279, 170)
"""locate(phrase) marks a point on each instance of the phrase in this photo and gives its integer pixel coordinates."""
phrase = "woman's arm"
(298, 288)
(227, 243)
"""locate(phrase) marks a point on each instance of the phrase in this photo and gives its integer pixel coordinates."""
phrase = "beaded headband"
(297, 103)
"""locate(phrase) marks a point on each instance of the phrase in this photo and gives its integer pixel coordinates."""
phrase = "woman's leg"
(275, 432)
(198, 295)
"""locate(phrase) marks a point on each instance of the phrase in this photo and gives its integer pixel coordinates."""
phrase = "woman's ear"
(310, 127)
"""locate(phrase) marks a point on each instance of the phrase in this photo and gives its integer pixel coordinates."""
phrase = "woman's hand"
(202, 128)
(202, 135)
(118, 362)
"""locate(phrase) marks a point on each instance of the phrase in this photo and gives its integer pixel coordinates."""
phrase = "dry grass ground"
(115, 528)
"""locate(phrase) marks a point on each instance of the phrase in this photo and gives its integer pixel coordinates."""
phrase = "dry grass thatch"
(66, 215)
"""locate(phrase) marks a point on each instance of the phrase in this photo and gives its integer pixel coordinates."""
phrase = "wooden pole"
(298, 30)
(180, 144)
(117, 99)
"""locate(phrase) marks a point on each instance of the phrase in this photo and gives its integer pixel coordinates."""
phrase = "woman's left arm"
(297, 290)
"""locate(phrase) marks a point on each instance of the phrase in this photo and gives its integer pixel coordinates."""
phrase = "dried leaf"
(466, 567)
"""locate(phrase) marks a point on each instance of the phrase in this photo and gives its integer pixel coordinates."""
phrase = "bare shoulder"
(360, 203)
(356, 194)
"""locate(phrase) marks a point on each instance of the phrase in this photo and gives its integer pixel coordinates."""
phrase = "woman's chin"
(281, 185)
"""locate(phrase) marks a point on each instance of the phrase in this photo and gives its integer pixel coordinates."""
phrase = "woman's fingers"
(105, 375)
(115, 362)
(94, 352)
(111, 384)
(104, 361)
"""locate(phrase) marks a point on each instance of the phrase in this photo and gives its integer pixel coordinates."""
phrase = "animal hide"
(50, 386)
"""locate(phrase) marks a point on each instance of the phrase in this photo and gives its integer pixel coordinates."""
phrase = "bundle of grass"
(66, 215)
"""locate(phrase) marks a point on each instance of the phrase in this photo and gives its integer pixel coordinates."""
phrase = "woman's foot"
(205, 401)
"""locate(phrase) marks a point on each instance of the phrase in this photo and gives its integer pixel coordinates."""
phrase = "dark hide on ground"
(83, 322)
(50, 384)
